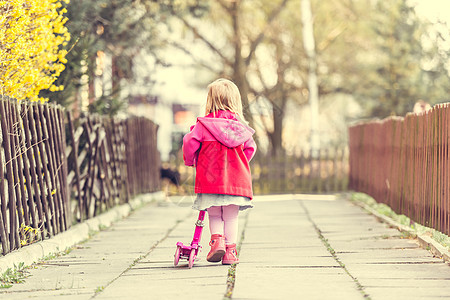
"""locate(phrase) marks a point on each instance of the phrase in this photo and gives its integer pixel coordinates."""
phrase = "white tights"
(224, 220)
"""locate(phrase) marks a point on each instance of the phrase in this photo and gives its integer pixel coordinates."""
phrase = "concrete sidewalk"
(308, 247)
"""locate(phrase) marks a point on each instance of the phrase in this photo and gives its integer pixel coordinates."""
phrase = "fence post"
(7, 243)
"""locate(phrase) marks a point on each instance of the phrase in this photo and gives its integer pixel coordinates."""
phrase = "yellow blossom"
(32, 34)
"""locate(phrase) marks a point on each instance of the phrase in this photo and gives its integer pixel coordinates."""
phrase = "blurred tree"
(119, 28)
(382, 53)
(278, 74)
(372, 50)
(341, 43)
(435, 65)
(258, 44)
(239, 29)
(397, 45)
(405, 62)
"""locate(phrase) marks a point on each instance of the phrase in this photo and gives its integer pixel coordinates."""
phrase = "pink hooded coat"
(220, 147)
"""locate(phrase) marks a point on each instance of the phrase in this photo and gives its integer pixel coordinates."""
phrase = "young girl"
(220, 146)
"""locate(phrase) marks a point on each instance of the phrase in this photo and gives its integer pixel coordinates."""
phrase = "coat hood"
(226, 128)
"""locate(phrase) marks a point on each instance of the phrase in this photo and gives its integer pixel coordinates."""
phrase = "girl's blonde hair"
(223, 95)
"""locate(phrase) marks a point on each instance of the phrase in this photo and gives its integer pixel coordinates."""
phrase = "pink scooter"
(191, 252)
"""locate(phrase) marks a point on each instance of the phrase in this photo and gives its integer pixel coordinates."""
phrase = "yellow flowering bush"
(32, 37)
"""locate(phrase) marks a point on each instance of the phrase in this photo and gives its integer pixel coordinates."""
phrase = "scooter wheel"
(191, 258)
(177, 255)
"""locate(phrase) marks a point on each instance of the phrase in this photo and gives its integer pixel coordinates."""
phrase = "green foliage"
(403, 61)
(108, 105)
(14, 275)
(398, 47)
(54, 255)
(382, 53)
(231, 279)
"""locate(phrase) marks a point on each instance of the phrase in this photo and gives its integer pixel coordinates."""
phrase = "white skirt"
(205, 201)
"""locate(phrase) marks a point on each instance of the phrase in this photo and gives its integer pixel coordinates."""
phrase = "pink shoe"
(230, 256)
(217, 251)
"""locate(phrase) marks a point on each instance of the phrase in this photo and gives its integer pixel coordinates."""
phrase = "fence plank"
(40, 193)
(30, 174)
(61, 140)
(17, 171)
(52, 167)
(58, 164)
(44, 165)
(3, 215)
(75, 164)
(6, 125)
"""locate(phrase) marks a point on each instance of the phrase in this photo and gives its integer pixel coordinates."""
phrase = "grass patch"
(19, 273)
(231, 277)
(384, 209)
(54, 255)
(13, 275)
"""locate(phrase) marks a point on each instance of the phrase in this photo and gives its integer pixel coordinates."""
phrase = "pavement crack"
(333, 253)
(231, 278)
(141, 257)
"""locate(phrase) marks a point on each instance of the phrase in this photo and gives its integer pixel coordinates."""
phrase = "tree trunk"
(310, 49)
(240, 68)
(278, 113)
(277, 134)
(115, 78)
(91, 88)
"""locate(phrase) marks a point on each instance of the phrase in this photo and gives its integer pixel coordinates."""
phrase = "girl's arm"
(249, 149)
(191, 145)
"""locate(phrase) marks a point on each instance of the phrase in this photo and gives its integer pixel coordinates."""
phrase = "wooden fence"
(97, 164)
(57, 171)
(110, 160)
(290, 174)
(143, 158)
(301, 173)
(404, 163)
(33, 190)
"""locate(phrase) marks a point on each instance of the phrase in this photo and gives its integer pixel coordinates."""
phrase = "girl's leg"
(215, 220)
(217, 242)
(230, 219)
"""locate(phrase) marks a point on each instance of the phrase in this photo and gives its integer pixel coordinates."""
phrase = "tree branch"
(224, 5)
(196, 60)
(206, 41)
(332, 36)
(261, 35)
